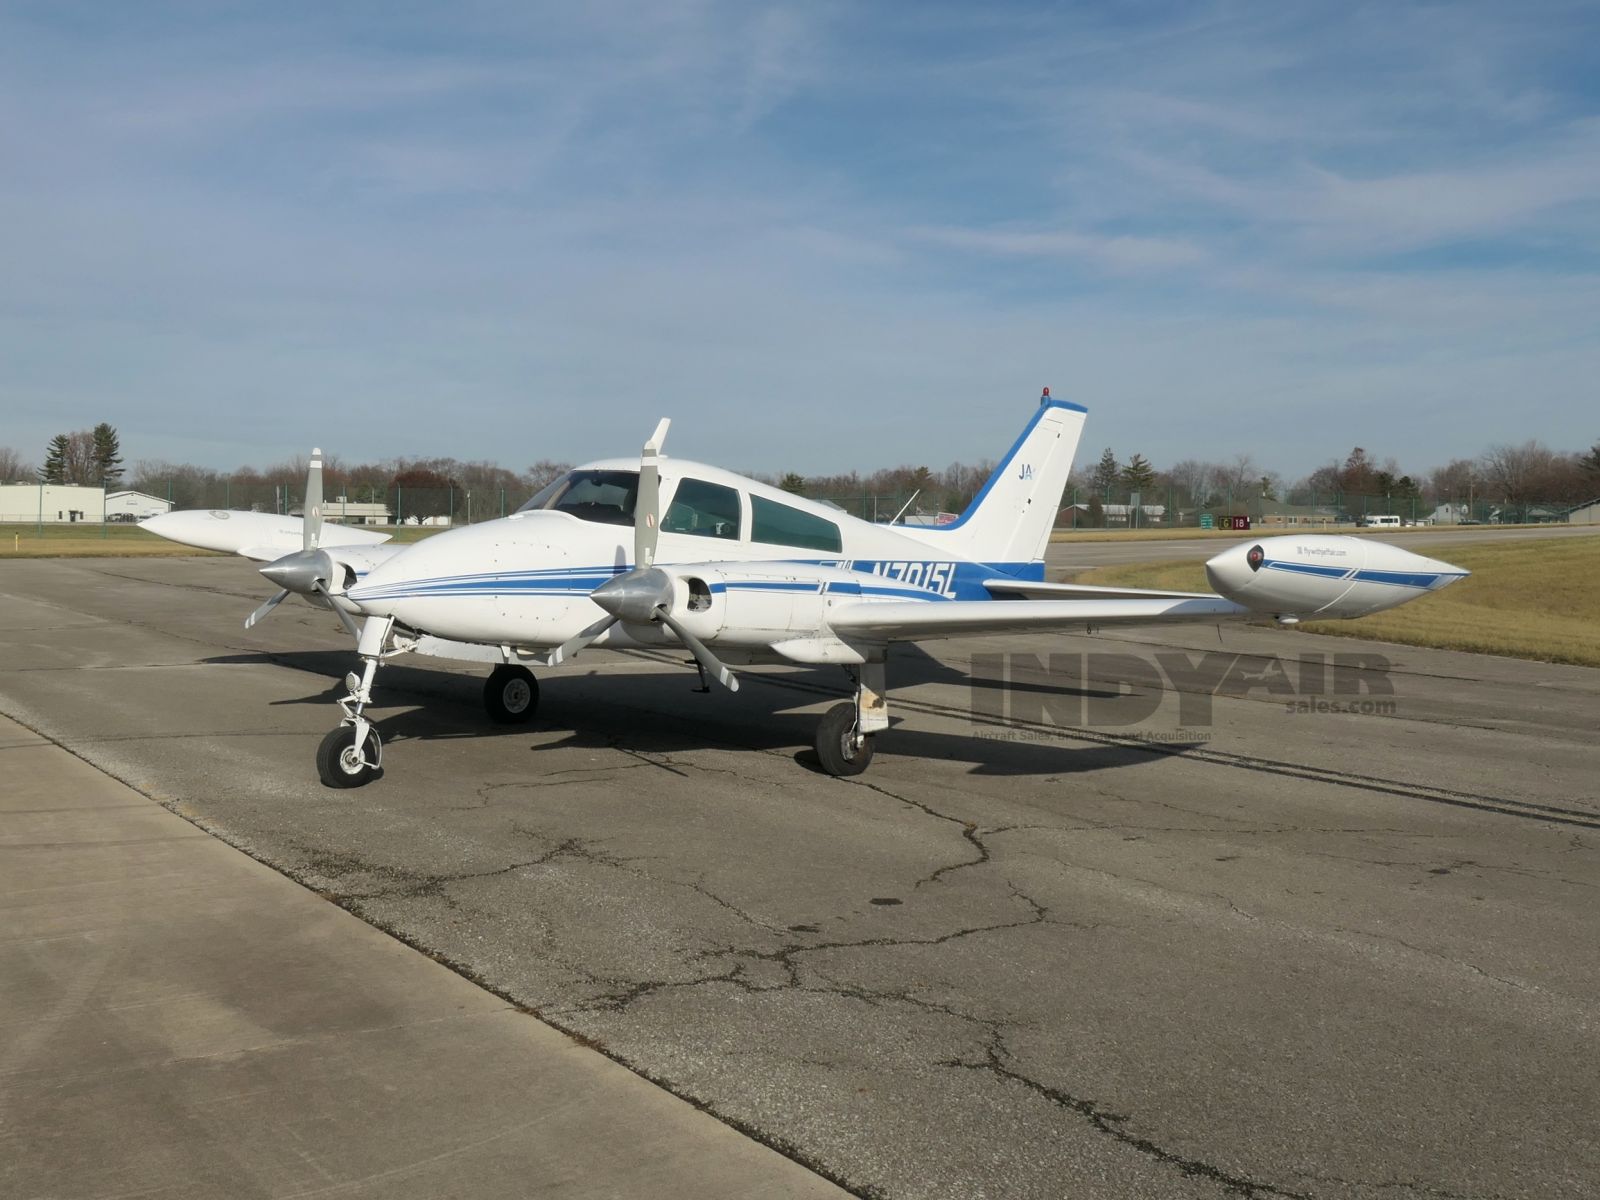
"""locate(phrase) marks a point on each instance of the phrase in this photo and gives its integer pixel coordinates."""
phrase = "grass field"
(114, 541)
(1537, 599)
(86, 541)
(1188, 533)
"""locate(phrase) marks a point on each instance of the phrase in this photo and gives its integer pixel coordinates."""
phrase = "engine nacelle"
(1324, 575)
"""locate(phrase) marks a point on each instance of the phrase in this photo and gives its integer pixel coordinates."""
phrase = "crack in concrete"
(784, 958)
(1410, 1185)
(1515, 984)
(411, 885)
(1112, 1125)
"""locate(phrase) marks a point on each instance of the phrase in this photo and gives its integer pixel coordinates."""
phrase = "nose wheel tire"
(341, 765)
(511, 695)
(840, 749)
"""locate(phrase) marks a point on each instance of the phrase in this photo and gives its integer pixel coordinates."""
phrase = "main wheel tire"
(338, 763)
(511, 694)
(840, 750)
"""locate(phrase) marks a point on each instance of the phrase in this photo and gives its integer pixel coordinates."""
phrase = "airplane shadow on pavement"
(658, 711)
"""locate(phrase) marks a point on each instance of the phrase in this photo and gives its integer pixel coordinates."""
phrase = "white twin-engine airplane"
(657, 553)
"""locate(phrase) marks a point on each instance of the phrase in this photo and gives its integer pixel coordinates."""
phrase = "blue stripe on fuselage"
(918, 579)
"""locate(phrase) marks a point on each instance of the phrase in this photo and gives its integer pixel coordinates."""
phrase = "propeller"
(646, 507)
(307, 571)
(645, 594)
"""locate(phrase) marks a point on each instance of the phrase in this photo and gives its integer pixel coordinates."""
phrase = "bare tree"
(1511, 472)
(14, 468)
(1192, 478)
(1455, 481)
(1240, 477)
(543, 472)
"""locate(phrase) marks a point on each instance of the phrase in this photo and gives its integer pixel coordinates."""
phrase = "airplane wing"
(259, 536)
(910, 621)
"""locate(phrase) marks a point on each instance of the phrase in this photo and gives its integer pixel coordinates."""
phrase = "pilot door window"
(703, 510)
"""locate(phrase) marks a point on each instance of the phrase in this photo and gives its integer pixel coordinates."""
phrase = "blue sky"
(819, 236)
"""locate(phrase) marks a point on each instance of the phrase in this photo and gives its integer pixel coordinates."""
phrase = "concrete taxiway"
(1302, 942)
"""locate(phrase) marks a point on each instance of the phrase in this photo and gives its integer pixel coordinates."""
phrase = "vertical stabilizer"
(1008, 523)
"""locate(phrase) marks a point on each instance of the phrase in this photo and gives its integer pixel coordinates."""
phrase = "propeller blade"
(312, 533)
(702, 655)
(345, 618)
(647, 506)
(261, 612)
(573, 644)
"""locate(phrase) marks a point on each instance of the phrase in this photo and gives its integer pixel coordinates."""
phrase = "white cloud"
(528, 232)
(1117, 252)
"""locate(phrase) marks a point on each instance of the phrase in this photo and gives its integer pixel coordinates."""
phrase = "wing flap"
(1029, 590)
(899, 620)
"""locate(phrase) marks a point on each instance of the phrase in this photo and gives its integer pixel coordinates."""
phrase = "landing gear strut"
(352, 754)
(846, 733)
(511, 694)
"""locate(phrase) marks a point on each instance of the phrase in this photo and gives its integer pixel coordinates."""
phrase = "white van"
(1377, 522)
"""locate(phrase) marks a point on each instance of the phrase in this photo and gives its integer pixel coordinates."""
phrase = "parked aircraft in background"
(659, 553)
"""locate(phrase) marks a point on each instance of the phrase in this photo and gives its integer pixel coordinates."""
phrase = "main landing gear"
(511, 694)
(846, 733)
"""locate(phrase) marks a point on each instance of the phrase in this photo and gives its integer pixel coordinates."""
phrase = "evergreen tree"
(1106, 474)
(55, 460)
(1590, 462)
(793, 483)
(107, 454)
(1138, 475)
(1268, 491)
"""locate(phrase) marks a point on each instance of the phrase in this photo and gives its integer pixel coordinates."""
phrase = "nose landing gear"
(352, 754)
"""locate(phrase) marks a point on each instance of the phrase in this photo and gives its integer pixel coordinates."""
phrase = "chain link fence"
(59, 510)
(45, 510)
(1168, 508)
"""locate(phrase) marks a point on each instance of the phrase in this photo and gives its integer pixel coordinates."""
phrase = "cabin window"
(606, 497)
(703, 510)
(774, 522)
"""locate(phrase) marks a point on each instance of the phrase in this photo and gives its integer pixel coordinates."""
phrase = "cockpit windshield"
(603, 496)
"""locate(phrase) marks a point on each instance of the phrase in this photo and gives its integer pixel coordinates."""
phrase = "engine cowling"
(1325, 575)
